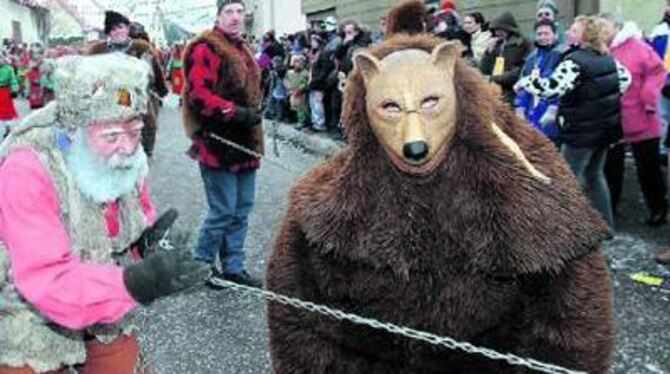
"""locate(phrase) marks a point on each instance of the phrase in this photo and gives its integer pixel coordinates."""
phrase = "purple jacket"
(639, 104)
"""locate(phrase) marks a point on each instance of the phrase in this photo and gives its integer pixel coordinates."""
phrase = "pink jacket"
(639, 104)
(68, 291)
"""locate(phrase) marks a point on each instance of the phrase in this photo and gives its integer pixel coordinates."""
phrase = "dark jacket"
(345, 53)
(514, 50)
(321, 67)
(591, 112)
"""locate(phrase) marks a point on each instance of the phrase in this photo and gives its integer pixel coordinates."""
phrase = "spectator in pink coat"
(640, 122)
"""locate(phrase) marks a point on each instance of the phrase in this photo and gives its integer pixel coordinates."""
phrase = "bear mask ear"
(367, 64)
(444, 56)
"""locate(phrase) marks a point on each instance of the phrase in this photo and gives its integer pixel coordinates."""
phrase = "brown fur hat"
(409, 17)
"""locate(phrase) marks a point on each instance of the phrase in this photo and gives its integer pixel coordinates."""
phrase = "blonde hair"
(592, 33)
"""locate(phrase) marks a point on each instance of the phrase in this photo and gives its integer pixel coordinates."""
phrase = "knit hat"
(330, 24)
(112, 19)
(448, 5)
(551, 4)
(222, 3)
(89, 89)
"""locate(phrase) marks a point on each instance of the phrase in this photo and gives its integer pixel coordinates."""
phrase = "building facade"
(23, 21)
(368, 12)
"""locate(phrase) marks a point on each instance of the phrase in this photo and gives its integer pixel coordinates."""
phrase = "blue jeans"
(230, 198)
(588, 165)
(317, 109)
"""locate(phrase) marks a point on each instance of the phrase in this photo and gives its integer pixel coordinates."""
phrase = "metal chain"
(407, 332)
(255, 154)
(442, 341)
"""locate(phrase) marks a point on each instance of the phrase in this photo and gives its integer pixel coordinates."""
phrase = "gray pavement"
(224, 332)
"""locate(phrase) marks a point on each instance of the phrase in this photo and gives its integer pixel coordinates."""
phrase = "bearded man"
(117, 29)
(73, 204)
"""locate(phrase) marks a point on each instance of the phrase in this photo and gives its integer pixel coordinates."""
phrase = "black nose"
(415, 150)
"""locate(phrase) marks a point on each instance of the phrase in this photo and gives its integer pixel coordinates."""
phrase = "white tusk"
(516, 150)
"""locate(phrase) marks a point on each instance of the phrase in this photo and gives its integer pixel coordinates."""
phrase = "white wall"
(284, 16)
(11, 11)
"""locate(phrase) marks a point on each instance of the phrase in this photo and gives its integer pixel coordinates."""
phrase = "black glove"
(164, 273)
(156, 236)
(14, 95)
(246, 116)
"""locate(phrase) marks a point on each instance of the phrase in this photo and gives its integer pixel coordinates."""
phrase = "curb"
(315, 143)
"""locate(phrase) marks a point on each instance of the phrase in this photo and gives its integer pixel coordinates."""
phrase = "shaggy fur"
(139, 48)
(479, 250)
(409, 17)
(246, 91)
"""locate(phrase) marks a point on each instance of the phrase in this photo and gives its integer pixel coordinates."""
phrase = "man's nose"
(127, 146)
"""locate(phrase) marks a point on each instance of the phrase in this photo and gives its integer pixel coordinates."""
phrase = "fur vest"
(237, 83)
(26, 337)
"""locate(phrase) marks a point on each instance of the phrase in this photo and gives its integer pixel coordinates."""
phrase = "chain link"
(445, 342)
(255, 154)
(441, 341)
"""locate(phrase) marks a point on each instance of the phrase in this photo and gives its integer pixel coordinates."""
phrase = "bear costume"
(484, 237)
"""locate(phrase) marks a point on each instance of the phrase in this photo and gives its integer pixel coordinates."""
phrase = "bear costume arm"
(572, 317)
(293, 333)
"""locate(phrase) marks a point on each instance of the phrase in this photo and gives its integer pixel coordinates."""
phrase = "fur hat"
(330, 24)
(221, 3)
(551, 4)
(409, 17)
(112, 19)
(110, 86)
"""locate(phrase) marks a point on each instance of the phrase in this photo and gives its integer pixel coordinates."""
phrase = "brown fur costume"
(478, 251)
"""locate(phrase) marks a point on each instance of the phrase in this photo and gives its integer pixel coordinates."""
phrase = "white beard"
(104, 181)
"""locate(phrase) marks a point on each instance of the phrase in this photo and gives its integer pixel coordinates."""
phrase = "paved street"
(225, 332)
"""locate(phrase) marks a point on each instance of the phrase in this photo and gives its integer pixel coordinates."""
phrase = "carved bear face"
(411, 103)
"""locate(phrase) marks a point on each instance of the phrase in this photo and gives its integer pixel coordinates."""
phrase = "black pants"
(648, 165)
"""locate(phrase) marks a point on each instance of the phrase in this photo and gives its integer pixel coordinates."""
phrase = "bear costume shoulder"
(479, 249)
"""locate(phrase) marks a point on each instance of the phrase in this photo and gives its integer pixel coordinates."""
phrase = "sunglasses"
(545, 14)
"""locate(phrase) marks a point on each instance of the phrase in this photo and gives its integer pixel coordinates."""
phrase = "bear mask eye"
(430, 102)
(391, 107)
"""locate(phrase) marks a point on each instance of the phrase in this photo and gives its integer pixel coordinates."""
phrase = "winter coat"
(321, 67)
(639, 104)
(345, 53)
(660, 41)
(545, 59)
(514, 50)
(478, 43)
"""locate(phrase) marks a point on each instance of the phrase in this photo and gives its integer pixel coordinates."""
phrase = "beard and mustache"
(104, 180)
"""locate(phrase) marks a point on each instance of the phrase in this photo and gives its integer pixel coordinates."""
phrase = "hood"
(628, 31)
(505, 22)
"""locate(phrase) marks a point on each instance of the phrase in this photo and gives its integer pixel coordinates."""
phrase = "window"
(16, 32)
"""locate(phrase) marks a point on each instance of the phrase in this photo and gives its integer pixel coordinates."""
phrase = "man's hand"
(492, 44)
(164, 273)
(155, 236)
